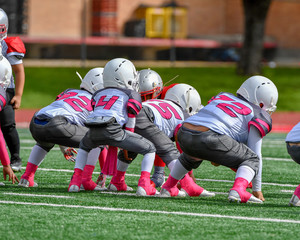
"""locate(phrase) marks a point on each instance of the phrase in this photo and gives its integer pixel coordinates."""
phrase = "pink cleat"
(87, 182)
(117, 183)
(144, 186)
(169, 189)
(239, 194)
(76, 181)
(192, 189)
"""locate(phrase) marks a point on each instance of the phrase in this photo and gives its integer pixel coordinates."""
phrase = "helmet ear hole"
(261, 105)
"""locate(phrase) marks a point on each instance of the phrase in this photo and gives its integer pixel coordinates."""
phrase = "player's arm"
(19, 74)
(255, 143)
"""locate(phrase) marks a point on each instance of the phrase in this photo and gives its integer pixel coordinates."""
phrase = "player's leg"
(294, 151)
(10, 133)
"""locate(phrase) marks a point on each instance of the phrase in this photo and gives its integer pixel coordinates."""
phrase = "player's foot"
(2, 184)
(117, 183)
(27, 183)
(295, 201)
(192, 189)
(76, 181)
(158, 178)
(145, 188)
(101, 180)
(16, 163)
(171, 192)
(91, 186)
(242, 197)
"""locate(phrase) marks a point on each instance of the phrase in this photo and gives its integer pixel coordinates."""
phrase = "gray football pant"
(48, 132)
(218, 148)
(114, 135)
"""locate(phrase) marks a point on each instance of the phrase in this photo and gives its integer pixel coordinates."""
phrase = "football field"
(50, 212)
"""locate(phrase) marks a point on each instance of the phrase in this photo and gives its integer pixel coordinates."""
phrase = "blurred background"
(189, 30)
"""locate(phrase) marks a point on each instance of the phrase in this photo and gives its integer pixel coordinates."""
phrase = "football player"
(14, 50)
(62, 122)
(5, 78)
(228, 131)
(159, 121)
(151, 87)
(293, 148)
(116, 105)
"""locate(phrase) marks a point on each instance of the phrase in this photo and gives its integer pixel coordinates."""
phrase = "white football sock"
(81, 159)
(171, 164)
(93, 156)
(122, 166)
(245, 172)
(37, 155)
(178, 171)
(148, 162)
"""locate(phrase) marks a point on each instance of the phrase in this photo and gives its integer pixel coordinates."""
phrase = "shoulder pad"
(15, 44)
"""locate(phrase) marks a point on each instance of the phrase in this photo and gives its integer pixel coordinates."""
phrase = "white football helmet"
(120, 73)
(260, 91)
(185, 96)
(150, 84)
(93, 80)
(3, 24)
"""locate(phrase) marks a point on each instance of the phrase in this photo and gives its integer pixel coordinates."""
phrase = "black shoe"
(16, 163)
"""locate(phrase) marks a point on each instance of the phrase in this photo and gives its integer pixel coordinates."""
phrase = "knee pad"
(131, 155)
(188, 163)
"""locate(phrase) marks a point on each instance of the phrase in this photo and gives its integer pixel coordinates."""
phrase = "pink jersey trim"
(3, 100)
(260, 129)
(263, 123)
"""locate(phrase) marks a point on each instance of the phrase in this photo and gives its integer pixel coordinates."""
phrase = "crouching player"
(62, 122)
(5, 76)
(293, 148)
(159, 121)
(116, 105)
(229, 131)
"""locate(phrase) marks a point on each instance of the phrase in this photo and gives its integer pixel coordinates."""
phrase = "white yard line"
(277, 220)
(35, 195)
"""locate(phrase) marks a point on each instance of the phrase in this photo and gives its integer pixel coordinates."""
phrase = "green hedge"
(44, 84)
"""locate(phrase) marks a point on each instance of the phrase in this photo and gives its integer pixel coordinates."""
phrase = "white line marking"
(288, 191)
(157, 212)
(36, 195)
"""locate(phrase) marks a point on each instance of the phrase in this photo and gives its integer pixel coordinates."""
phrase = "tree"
(255, 13)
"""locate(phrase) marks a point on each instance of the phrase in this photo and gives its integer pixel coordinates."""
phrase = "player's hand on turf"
(69, 153)
(259, 195)
(11, 175)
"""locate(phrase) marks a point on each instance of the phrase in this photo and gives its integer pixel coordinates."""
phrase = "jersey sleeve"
(134, 104)
(262, 121)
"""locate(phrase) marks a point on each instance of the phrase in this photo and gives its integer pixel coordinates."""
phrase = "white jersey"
(115, 102)
(14, 50)
(294, 134)
(74, 104)
(233, 116)
(167, 115)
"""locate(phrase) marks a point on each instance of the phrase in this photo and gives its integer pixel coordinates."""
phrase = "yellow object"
(165, 22)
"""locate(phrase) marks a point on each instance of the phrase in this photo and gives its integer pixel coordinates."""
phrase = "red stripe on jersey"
(263, 123)
(260, 129)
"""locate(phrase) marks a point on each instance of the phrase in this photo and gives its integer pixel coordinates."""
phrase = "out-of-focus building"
(145, 28)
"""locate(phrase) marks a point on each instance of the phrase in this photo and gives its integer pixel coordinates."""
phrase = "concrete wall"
(206, 18)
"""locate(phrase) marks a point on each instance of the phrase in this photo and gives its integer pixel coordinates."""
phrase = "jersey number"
(107, 104)
(79, 103)
(233, 107)
(166, 110)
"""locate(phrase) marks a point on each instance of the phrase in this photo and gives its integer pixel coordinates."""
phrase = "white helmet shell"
(260, 91)
(186, 96)
(93, 80)
(150, 84)
(5, 72)
(120, 73)
(3, 24)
